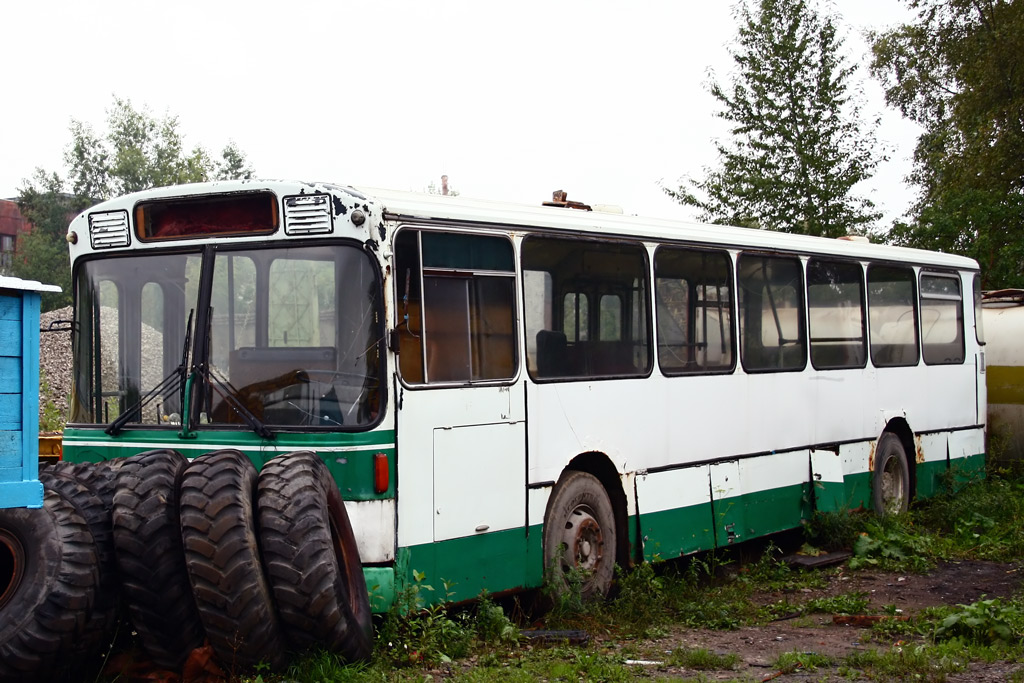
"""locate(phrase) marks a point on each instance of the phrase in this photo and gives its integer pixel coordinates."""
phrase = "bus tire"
(103, 616)
(147, 544)
(218, 529)
(580, 534)
(311, 557)
(890, 482)
(48, 579)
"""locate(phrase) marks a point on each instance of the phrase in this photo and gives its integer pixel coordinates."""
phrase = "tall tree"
(797, 146)
(958, 71)
(136, 152)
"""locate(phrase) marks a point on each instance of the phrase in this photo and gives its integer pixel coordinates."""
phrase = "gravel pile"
(55, 360)
(54, 363)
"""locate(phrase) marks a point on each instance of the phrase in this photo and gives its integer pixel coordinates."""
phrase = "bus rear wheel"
(580, 536)
(891, 481)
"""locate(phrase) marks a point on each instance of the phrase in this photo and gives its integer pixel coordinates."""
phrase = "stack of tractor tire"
(185, 552)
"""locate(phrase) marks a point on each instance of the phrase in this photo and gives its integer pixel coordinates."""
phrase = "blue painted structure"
(19, 392)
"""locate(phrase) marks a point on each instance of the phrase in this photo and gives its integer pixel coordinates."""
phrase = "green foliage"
(136, 152)
(845, 603)
(983, 623)
(702, 659)
(797, 144)
(789, 662)
(915, 662)
(958, 71)
(414, 633)
(833, 530)
(894, 545)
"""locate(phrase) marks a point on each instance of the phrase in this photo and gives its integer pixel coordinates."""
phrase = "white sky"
(511, 100)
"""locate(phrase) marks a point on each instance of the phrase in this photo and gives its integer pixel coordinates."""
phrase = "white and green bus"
(498, 389)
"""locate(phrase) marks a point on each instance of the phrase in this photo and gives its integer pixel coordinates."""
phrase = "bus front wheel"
(579, 536)
(891, 481)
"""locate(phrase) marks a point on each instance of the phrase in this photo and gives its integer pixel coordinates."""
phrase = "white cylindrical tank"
(1003, 319)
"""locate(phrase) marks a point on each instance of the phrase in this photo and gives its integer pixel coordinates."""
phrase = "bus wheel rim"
(584, 538)
(892, 485)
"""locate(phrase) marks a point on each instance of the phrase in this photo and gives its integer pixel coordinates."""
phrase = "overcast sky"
(510, 100)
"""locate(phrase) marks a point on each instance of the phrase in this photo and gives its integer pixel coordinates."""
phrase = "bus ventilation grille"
(308, 214)
(109, 230)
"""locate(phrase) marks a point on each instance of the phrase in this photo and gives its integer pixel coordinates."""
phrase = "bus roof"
(424, 207)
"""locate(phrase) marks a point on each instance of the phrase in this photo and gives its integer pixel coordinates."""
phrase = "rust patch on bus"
(918, 449)
(871, 457)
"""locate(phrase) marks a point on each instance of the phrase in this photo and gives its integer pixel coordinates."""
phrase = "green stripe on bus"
(671, 533)
(1005, 384)
(461, 568)
(353, 470)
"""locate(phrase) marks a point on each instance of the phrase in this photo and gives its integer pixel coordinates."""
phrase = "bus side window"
(771, 313)
(942, 319)
(693, 295)
(456, 304)
(586, 308)
(892, 316)
(835, 306)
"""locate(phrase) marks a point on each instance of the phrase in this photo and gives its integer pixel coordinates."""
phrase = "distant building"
(12, 224)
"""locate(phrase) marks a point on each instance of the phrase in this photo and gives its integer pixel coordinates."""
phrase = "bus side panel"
(856, 459)
(675, 512)
(967, 454)
(758, 496)
(931, 456)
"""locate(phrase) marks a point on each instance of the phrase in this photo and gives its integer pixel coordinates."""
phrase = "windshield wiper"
(176, 377)
(230, 397)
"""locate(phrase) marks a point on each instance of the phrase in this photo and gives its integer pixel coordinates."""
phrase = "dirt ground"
(949, 584)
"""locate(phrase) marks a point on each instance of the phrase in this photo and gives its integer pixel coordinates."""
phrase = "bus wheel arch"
(893, 480)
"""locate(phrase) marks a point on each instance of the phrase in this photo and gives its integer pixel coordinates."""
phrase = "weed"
(893, 544)
(640, 603)
(833, 530)
(806, 661)
(846, 603)
(701, 659)
(413, 633)
(984, 623)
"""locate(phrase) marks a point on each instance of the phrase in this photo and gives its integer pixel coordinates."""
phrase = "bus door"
(461, 409)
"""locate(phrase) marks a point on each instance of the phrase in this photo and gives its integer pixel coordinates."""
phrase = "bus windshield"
(290, 338)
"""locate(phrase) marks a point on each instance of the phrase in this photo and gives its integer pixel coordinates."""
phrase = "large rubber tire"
(890, 483)
(48, 579)
(311, 557)
(147, 544)
(103, 616)
(580, 534)
(218, 527)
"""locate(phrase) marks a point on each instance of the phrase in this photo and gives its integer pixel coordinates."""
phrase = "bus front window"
(130, 334)
(294, 337)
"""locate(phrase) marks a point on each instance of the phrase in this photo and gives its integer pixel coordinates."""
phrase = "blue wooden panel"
(10, 409)
(21, 494)
(10, 375)
(10, 308)
(10, 448)
(10, 338)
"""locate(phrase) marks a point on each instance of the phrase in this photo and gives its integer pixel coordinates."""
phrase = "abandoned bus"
(497, 389)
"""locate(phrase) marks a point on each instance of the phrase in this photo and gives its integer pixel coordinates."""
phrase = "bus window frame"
(730, 265)
(865, 343)
(435, 271)
(643, 249)
(960, 318)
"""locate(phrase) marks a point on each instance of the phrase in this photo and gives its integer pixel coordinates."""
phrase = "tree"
(958, 71)
(797, 145)
(136, 152)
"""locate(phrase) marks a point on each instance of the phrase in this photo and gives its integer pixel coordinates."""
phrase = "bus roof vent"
(308, 214)
(109, 229)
